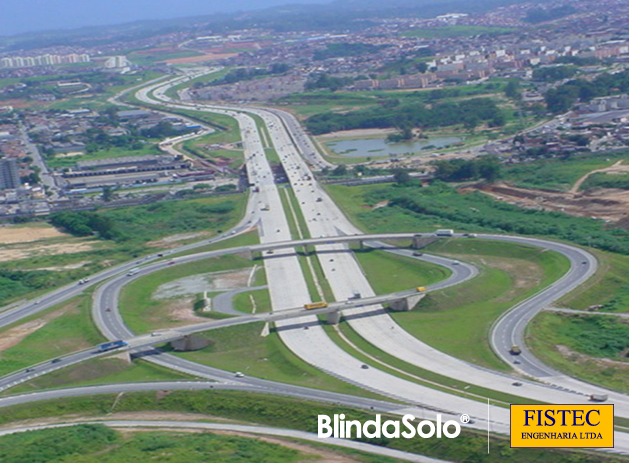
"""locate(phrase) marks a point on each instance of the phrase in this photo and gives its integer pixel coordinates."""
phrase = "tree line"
(470, 113)
(562, 98)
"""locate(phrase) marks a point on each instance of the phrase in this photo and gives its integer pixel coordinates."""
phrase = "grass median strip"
(383, 360)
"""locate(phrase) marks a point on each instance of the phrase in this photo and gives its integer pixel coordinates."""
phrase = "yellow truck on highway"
(315, 305)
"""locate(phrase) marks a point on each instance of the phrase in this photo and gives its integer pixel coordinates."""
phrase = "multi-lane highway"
(322, 216)
(288, 289)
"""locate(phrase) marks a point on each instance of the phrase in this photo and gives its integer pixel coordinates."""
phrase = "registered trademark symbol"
(465, 418)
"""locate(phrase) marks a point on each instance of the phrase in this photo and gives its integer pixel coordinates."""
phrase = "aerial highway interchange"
(331, 232)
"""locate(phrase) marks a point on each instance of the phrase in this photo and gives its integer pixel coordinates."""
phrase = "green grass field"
(389, 273)
(371, 355)
(107, 370)
(261, 299)
(556, 174)
(143, 314)
(62, 162)
(67, 328)
(98, 443)
(241, 348)
(243, 239)
(609, 287)
(199, 147)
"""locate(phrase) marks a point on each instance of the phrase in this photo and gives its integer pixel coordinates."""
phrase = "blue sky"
(17, 16)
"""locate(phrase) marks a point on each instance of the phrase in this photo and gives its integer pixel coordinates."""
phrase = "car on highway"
(239, 374)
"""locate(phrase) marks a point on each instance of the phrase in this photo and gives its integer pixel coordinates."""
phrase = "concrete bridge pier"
(419, 241)
(406, 304)
(333, 318)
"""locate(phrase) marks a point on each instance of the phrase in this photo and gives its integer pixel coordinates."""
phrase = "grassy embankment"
(591, 347)
(63, 329)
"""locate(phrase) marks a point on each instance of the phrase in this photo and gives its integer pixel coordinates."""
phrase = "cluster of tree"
(457, 170)
(96, 139)
(578, 139)
(554, 73)
(321, 81)
(162, 130)
(538, 15)
(32, 179)
(240, 74)
(407, 65)
(85, 223)
(561, 99)
(512, 90)
(471, 113)
(358, 170)
(405, 134)
(336, 50)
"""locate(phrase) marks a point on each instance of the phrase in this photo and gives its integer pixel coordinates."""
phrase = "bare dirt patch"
(617, 168)
(211, 282)
(65, 267)
(181, 311)
(607, 204)
(9, 234)
(381, 204)
(16, 334)
(583, 359)
(200, 59)
(17, 252)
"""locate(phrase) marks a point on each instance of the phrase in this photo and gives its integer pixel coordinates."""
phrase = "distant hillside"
(339, 15)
